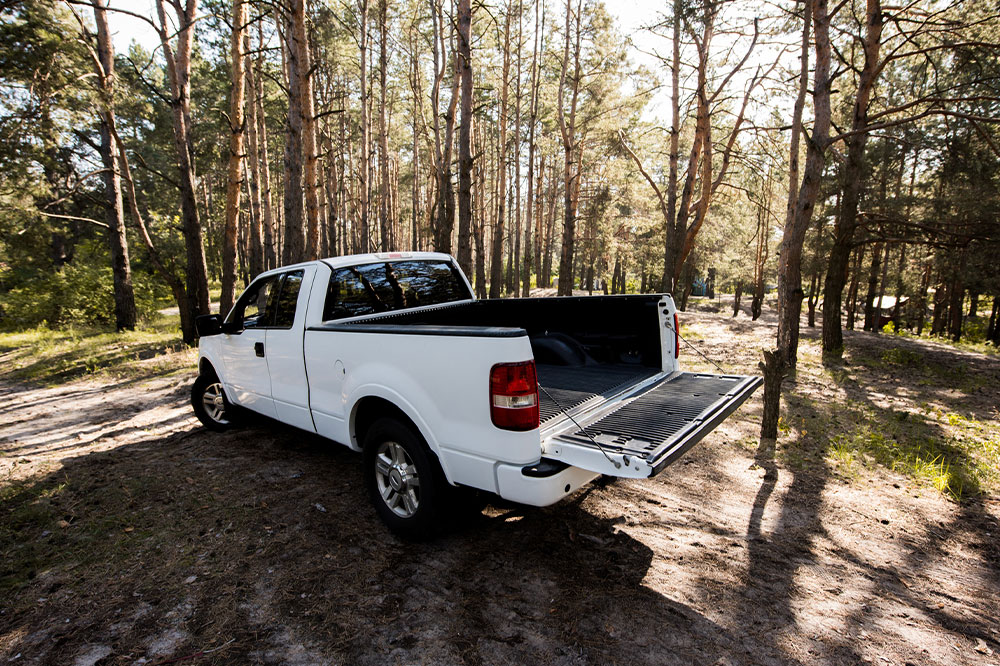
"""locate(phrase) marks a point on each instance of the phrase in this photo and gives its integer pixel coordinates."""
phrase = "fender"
(405, 406)
(206, 354)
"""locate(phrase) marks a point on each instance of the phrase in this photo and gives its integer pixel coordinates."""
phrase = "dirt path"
(130, 535)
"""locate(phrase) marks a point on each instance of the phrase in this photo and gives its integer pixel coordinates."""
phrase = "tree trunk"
(178, 62)
(234, 180)
(270, 255)
(572, 152)
(852, 292)
(532, 193)
(669, 258)
(897, 308)
(363, 162)
(256, 237)
(385, 211)
(773, 369)
(789, 262)
(847, 218)
(993, 330)
(873, 273)
(301, 234)
(956, 298)
(496, 254)
(955, 310)
(121, 267)
(465, 138)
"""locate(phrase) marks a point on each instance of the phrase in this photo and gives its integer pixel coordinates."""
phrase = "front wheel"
(210, 404)
(405, 483)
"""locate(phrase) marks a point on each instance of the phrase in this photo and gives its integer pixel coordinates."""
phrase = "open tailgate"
(645, 432)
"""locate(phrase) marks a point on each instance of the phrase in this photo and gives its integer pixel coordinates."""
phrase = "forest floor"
(129, 534)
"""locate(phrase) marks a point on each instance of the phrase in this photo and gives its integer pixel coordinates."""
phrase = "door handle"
(258, 348)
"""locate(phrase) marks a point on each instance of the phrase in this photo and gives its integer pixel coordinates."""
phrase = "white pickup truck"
(528, 398)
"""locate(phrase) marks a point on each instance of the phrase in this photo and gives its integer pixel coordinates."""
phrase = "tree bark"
(496, 251)
(669, 258)
(121, 267)
(363, 166)
(789, 262)
(873, 272)
(571, 149)
(530, 202)
(385, 220)
(234, 181)
(178, 62)
(256, 235)
(847, 219)
(465, 138)
(992, 329)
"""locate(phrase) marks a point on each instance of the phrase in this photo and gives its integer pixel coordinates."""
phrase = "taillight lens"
(514, 396)
(677, 336)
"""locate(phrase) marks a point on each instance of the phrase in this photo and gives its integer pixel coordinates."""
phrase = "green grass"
(921, 368)
(960, 460)
(971, 341)
(45, 356)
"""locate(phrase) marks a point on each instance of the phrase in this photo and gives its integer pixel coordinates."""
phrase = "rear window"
(387, 286)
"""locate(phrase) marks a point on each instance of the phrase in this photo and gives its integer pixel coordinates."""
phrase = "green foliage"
(78, 294)
(974, 330)
(901, 356)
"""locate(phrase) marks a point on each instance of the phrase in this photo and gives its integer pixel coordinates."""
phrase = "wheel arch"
(206, 367)
(371, 407)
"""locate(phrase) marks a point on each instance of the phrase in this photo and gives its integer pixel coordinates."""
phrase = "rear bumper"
(514, 485)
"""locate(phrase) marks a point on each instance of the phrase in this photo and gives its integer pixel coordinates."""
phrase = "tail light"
(514, 396)
(677, 337)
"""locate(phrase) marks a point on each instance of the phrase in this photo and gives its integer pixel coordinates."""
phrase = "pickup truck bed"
(566, 388)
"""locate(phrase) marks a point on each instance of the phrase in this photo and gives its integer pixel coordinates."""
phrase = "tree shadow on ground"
(962, 382)
(900, 439)
(261, 541)
(776, 556)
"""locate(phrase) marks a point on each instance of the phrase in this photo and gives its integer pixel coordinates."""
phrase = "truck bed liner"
(669, 418)
(572, 386)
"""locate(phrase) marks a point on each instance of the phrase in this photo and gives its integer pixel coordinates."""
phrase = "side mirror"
(208, 325)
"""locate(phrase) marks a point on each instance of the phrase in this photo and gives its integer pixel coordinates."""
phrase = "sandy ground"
(139, 537)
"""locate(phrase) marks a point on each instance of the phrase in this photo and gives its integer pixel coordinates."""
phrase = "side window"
(429, 282)
(256, 306)
(347, 295)
(288, 297)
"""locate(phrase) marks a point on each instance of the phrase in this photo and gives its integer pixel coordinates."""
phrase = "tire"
(210, 404)
(404, 480)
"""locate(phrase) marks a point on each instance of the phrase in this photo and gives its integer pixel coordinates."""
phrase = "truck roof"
(368, 258)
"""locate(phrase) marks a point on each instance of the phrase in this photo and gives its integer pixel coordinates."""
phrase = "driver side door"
(246, 374)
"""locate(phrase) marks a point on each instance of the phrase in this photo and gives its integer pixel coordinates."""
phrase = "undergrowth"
(46, 356)
(960, 457)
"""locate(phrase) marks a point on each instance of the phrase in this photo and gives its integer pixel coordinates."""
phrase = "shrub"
(81, 293)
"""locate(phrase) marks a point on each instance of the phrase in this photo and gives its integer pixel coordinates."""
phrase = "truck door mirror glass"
(208, 325)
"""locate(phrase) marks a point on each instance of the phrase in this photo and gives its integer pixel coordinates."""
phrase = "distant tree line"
(847, 155)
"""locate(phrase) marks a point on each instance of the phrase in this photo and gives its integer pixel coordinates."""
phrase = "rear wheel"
(211, 405)
(405, 482)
